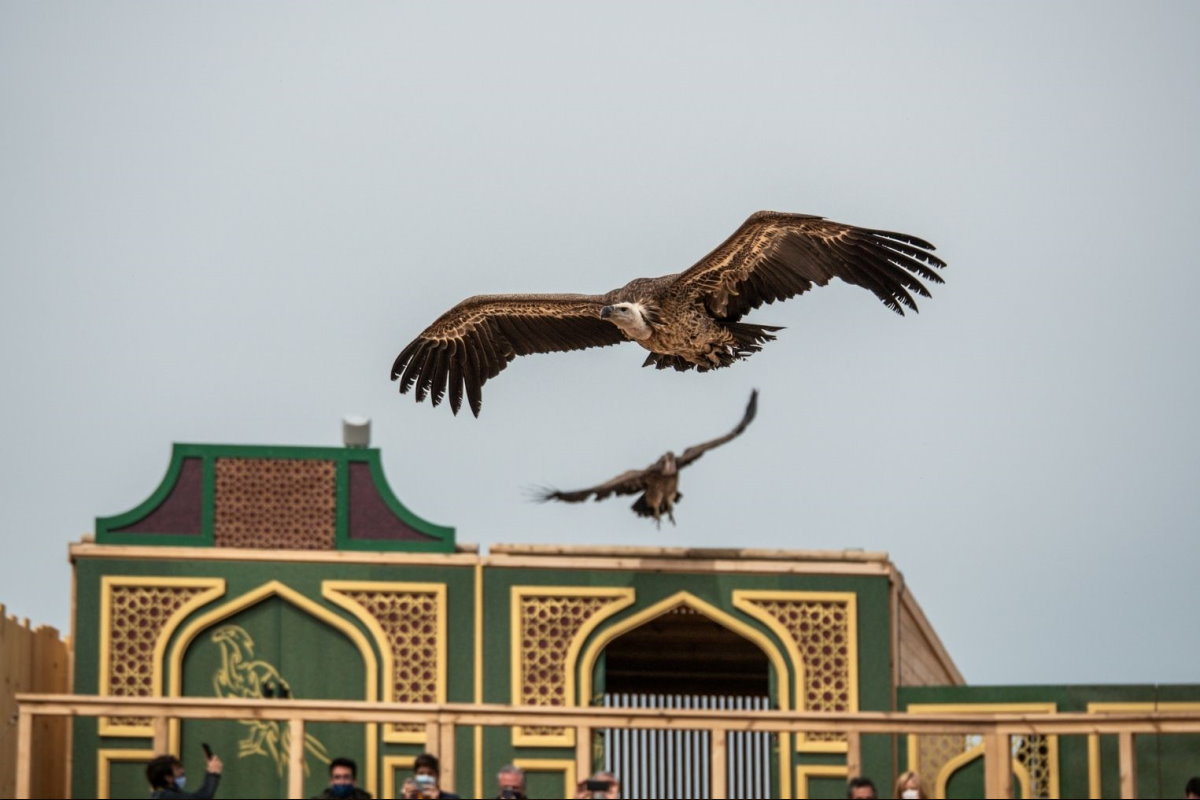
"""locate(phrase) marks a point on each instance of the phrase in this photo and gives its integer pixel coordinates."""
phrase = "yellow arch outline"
(745, 600)
(622, 597)
(943, 777)
(276, 588)
(729, 622)
(332, 590)
(213, 588)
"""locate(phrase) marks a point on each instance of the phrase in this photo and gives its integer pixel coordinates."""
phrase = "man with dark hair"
(343, 772)
(1192, 790)
(861, 788)
(424, 783)
(166, 777)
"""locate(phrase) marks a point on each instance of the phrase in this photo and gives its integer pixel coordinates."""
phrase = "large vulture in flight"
(657, 483)
(688, 320)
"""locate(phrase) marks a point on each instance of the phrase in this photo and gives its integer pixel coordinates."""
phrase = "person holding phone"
(423, 785)
(600, 785)
(167, 778)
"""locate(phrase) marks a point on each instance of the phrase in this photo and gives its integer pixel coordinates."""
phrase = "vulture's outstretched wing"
(630, 482)
(478, 337)
(774, 256)
(693, 453)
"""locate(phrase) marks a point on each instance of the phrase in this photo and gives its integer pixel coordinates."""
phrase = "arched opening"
(684, 659)
(685, 653)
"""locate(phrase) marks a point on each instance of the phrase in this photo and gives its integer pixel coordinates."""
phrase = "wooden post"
(160, 735)
(719, 762)
(1127, 759)
(997, 766)
(24, 752)
(583, 754)
(446, 755)
(854, 754)
(296, 758)
(433, 739)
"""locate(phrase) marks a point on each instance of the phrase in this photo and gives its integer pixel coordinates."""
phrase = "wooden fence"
(440, 721)
(32, 661)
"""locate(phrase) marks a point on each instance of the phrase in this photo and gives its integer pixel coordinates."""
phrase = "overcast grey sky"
(220, 222)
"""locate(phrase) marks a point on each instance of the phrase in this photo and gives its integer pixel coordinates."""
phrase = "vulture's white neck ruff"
(631, 318)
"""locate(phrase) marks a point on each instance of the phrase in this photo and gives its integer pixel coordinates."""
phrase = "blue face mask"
(180, 781)
(342, 789)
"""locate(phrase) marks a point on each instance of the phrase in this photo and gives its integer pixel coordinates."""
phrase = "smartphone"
(207, 749)
(597, 786)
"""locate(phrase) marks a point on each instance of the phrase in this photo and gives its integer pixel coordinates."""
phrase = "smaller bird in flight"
(657, 483)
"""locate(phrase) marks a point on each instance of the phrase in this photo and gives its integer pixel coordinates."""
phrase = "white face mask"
(180, 781)
(910, 794)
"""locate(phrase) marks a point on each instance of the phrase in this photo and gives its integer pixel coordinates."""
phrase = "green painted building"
(274, 572)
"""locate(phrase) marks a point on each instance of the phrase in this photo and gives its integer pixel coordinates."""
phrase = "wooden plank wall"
(923, 660)
(33, 661)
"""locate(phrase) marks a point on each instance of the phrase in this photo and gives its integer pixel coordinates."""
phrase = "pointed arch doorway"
(685, 657)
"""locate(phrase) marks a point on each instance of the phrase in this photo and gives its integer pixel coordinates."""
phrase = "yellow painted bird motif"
(242, 675)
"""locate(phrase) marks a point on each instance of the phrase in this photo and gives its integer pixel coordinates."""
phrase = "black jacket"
(357, 794)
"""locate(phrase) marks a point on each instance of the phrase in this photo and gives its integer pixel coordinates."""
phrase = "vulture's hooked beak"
(606, 312)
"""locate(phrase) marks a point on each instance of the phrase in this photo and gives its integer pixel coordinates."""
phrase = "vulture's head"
(629, 317)
(666, 463)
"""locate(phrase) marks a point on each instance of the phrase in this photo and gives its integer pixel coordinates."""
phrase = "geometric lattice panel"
(410, 621)
(274, 503)
(819, 630)
(135, 613)
(546, 622)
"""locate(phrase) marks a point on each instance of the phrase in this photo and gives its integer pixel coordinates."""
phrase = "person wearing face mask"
(908, 786)
(167, 779)
(343, 772)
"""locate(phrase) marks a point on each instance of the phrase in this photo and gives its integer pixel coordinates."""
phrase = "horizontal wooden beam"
(598, 717)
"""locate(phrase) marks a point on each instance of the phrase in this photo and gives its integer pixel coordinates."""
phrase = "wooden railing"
(440, 721)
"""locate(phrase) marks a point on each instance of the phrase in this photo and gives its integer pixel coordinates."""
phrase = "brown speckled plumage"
(658, 483)
(694, 316)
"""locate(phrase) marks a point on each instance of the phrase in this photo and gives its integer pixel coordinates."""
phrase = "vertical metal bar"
(997, 766)
(1127, 760)
(720, 772)
(295, 757)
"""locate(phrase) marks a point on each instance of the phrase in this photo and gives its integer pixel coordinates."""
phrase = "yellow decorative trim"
(105, 757)
(564, 765)
(806, 771)
(746, 601)
(276, 588)
(620, 598)
(942, 779)
(1094, 738)
(212, 588)
(392, 765)
(684, 598)
(335, 592)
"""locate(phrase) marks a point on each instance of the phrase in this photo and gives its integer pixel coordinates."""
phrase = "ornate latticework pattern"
(548, 624)
(138, 614)
(274, 503)
(1033, 753)
(411, 622)
(936, 750)
(820, 630)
